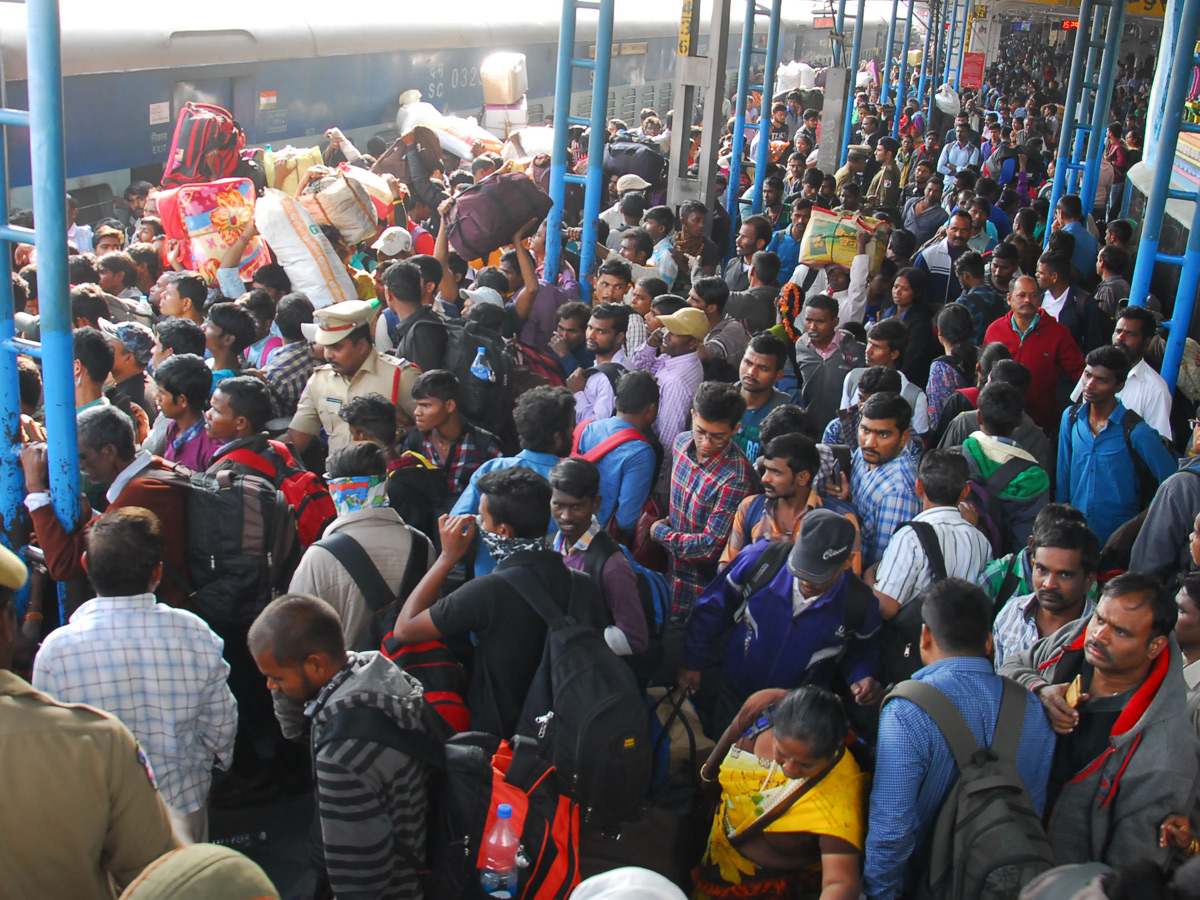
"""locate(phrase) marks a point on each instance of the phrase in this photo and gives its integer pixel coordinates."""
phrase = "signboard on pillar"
(972, 71)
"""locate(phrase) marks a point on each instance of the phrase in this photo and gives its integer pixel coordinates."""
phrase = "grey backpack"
(987, 842)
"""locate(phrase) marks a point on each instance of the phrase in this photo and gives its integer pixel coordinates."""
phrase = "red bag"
(304, 491)
(440, 673)
(533, 367)
(200, 129)
(487, 215)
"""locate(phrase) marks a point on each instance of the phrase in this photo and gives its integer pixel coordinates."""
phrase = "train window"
(96, 202)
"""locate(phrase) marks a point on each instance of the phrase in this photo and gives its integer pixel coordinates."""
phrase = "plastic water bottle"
(498, 876)
(480, 368)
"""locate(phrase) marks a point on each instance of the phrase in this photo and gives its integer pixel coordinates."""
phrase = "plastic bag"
(833, 238)
(209, 218)
(947, 100)
(304, 252)
(332, 198)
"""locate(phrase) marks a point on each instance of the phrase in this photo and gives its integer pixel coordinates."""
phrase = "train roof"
(147, 34)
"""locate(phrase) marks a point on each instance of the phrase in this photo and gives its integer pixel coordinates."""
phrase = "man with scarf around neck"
(514, 515)
(1126, 751)
(357, 477)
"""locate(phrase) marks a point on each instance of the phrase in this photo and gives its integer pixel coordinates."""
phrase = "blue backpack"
(652, 586)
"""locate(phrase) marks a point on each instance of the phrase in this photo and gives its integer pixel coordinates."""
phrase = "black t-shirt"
(510, 636)
(1074, 752)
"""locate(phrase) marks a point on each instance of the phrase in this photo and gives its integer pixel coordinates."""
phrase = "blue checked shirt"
(160, 671)
(915, 767)
(884, 496)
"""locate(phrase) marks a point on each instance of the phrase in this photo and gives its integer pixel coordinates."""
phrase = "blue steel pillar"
(855, 50)
(926, 63)
(902, 82)
(887, 60)
(1101, 96)
(48, 157)
(1178, 84)
(598, 122)
(764, 120)
(950, 35)
(733, 191)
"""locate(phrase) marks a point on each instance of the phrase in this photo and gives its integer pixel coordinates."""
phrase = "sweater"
(1110, 811)
(820, 380)
(1050, 353)
(1022, 498)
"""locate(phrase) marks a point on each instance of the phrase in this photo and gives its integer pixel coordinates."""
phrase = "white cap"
(394, 241)
(631, 183)
(629, 883)
(485, 295)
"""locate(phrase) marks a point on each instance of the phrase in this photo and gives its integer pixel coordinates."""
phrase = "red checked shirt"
(704, 500)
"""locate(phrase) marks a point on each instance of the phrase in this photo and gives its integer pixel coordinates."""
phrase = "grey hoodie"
(1161, 547)
(372, 800)
(1111, 811)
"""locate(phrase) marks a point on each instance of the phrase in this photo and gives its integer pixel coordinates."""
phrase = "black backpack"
(900, 639)
(486, 404)
(384, 605)
(585, 704)
(984, 495)
(987, 842)
(242, 543)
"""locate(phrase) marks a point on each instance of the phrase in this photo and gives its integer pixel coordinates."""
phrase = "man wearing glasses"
(709, 477)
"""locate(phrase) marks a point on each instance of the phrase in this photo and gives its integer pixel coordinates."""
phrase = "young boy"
(228, 330)
(184, 386)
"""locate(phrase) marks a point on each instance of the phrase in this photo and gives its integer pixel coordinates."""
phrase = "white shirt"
(1054, 305)
(852, 302)
(914, 395)
(160, 671)
(1146, 393)
(904, 570)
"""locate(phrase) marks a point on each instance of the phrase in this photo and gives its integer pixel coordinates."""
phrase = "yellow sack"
(833, 238)
(285, 167)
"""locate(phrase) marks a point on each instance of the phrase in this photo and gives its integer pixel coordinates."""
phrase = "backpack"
(304, 491)
(1147, 484)
(610, 370)
(900, 638)
(585, 702)
(606, 446)
(383, 603)
(443, 677)
(653, 591)
(242, 543)
(984, 496)
(1008, 584)
(472, 774)
(987, 842)
(200, 128)
(533, 367)
(628, 155)
(486, 404)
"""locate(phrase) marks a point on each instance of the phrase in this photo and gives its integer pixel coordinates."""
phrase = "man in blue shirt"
(626, 468)
(1096, 472)
(545, 418)
(786, 242)
(915, 768)
(1068, 217)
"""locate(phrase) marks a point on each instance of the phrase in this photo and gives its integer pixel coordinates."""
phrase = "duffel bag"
(625, 156)
(487, 215)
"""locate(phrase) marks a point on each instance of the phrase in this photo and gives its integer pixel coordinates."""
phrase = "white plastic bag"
(947, 100)
(333, 198)
(304, 252)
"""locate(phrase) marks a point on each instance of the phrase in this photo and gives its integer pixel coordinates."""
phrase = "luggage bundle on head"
(333, 198)
(486, 215)
(586, 705)
(241, 546)
(306, 492)
(209, 218)
(833, 238)
(628, 155)
(304, 252)
(203, 129)
(284, 168)
(487, 404)
(987, 842)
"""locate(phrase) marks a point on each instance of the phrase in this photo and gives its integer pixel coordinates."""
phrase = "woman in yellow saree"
(790, 823)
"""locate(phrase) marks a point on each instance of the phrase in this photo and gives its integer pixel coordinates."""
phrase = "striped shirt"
(1016, 628)
(884, 496)
(677, 377)
(905, 570)
(160, 671)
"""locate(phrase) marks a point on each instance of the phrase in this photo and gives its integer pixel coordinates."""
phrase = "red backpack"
(201, 129)
(304, 491)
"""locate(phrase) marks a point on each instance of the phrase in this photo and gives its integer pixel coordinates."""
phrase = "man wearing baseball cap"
(394, 243)
(133, 345)
(626, 184)
(671, 355)
(799, 615)
(354, 368)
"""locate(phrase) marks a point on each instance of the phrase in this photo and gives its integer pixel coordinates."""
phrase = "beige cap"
(631, 183)
(334, 323)
(859, 152)
(13, 571)
(691, 322)
(393, 241)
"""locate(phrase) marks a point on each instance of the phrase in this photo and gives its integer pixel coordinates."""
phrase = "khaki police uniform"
(328, 390)
(885, 188)
(844, 175)
(80, 803)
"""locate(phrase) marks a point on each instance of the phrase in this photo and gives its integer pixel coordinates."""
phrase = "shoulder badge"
(141, 755)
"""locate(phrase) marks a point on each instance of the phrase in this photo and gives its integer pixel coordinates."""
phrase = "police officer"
(355, 368)
(856, 163)
(80, 802)
(885, 188)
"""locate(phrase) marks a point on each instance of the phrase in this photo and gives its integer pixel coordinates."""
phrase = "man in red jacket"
(108, 455)
(1040, 344)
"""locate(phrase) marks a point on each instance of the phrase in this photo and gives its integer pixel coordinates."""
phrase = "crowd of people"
(893, 509)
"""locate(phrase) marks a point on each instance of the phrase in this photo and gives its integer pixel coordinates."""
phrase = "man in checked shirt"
(710, 476)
